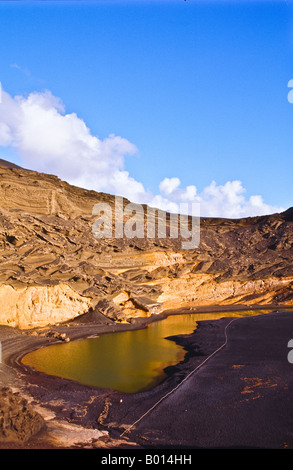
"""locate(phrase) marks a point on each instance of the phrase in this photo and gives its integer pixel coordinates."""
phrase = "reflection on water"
(129, 361)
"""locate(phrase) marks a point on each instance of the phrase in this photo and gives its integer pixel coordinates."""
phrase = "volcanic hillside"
(53, 269)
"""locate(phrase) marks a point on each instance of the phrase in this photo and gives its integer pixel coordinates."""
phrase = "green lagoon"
(129, 361)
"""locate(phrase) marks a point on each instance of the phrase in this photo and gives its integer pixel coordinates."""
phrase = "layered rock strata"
(53, 269)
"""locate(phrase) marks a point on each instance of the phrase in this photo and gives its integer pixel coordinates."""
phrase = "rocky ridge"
(53, 269)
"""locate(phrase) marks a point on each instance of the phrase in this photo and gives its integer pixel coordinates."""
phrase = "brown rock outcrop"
(18, 421)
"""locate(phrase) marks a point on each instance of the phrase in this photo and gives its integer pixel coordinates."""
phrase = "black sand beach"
(240, 398)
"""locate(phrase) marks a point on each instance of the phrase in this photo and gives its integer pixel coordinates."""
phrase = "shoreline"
(47, 392)
(82, 331)
(79, 331)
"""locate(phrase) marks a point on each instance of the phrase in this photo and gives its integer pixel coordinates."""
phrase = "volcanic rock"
(53, 269)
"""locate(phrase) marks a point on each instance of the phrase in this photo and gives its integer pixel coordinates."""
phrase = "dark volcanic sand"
(240, 398)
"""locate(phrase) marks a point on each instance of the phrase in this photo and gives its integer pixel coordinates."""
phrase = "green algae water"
(129, 361)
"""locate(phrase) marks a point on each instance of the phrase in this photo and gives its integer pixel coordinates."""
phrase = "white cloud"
(49, 140)
(168, 185)
(229, 200)
(25, 71)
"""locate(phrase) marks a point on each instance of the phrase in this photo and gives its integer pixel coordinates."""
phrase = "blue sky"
(197, 92)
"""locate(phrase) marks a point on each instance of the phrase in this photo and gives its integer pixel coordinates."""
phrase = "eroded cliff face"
(37, 306)
(53, 269)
